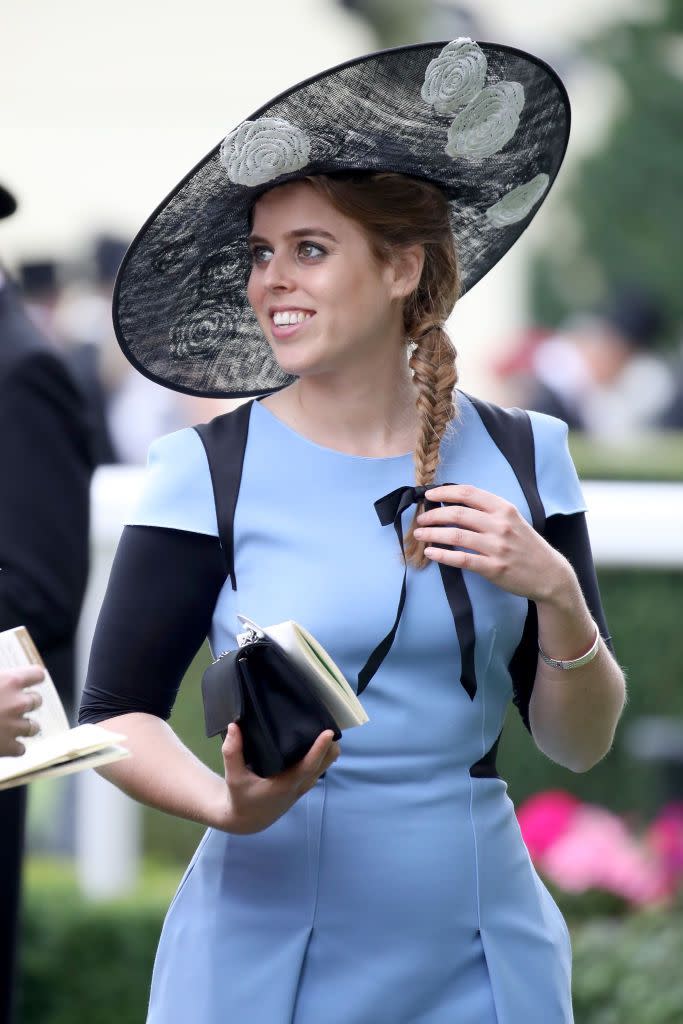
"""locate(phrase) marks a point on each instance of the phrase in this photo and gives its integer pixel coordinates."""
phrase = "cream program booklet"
(56, 749)
(324, 677)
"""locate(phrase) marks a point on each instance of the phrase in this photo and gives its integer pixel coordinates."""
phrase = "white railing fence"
(631, 524)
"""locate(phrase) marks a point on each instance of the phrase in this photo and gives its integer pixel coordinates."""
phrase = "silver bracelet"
(575, 662)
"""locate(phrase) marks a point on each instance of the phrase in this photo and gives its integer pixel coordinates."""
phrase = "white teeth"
(284, 318)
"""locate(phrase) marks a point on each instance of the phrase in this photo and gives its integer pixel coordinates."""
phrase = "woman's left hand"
(501, 545)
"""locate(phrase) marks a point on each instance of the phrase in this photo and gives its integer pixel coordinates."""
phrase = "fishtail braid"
(435, 376)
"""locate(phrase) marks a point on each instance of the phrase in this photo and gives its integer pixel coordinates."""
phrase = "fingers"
(481, 564)
(233, 752)
(457, 538)
(29, 676)
(319, 749)
(320, 757)
(465, 494)
(460, 515)
(27, 727)
(333, 752)
(299, 777)
(17, 702)
(33, 700)
(306, 772)
(15, 680)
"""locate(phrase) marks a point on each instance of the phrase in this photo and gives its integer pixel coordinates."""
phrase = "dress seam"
(318, 844)
(476, 856)
(477, 882)
(314, 881)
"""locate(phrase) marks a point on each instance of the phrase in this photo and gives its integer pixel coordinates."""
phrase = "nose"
(278, 273)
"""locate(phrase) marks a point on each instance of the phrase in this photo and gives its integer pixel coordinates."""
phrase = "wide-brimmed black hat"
(487, 123)
(8, 203)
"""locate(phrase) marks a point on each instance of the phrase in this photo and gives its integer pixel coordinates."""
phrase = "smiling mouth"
(289, 317)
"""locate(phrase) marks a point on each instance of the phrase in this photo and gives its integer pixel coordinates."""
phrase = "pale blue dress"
(399, 889)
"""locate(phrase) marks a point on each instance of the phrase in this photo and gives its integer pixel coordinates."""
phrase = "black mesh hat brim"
(180, 308)
(8, 203)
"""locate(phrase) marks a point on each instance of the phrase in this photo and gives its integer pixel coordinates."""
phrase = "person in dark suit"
(45, 467)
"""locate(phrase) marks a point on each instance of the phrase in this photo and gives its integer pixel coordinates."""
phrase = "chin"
(304, 366)
(298, 368)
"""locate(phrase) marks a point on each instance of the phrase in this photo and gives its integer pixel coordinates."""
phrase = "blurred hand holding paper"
(56, 749)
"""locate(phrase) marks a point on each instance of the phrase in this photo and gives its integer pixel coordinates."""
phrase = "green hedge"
(87, 962)
(628, 971)
(647, 456)
(92, 963)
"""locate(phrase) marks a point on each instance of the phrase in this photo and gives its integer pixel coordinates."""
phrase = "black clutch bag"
(261, 688)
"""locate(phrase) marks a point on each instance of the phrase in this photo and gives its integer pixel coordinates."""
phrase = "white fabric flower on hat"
(518, 202)
(455, 77)
(487, 123)
(259, 151)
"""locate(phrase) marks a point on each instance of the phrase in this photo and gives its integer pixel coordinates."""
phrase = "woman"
(386, 881)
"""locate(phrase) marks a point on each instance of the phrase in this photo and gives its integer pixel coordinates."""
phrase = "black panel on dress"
(226, 434)
(485, 767)
(512, 433)
(155, 616)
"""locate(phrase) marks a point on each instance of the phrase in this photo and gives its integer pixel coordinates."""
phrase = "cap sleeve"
(556, 476)
(177, 492)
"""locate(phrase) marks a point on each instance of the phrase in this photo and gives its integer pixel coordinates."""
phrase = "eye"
(311, 251)
(260, 255)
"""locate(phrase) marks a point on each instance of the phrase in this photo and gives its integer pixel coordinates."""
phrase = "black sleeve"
(46, 464)
(568, 535)
(156, 613)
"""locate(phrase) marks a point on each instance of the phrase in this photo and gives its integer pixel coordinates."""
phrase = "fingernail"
(418, 533)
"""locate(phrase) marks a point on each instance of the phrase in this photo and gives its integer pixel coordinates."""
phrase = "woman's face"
(322, 299)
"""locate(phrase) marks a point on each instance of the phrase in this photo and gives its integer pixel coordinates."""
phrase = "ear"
(406, 268)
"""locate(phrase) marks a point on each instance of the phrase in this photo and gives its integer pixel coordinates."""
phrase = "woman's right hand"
(255, 803)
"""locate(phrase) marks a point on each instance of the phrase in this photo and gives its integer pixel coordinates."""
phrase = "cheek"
(254, 290)
(352, 291)
(366, 300)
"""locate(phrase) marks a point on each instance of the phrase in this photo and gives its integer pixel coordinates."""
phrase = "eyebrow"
(298, 233)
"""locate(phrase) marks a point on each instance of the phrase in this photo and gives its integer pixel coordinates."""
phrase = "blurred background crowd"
(611, 368)
(583, 320)
(70, 301)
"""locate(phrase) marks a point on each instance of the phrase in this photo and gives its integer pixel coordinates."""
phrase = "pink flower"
(665, 839)
(544, 818)
(579, 846)
(598, 852)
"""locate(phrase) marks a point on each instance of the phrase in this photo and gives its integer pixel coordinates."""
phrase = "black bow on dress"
(389, 510)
